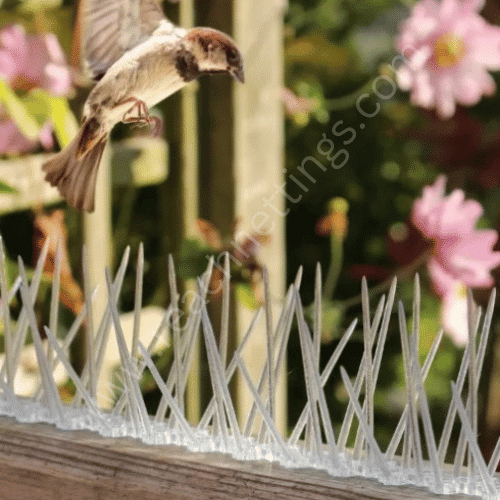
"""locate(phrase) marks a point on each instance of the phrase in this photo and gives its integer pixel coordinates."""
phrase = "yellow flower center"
(460, 290)
(449, 49)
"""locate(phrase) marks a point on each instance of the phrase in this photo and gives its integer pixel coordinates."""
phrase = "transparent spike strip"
(313, 442)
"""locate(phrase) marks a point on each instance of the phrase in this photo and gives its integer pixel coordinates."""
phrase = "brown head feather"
(208, 36)
(215, 52)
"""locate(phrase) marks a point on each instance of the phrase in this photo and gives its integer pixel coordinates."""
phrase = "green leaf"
(18, 112)
(331, 319)
(37, 106)
(333, 315)
(38, 5)
(59, 112)
(6, 189)
(64, 121)
(193, 258)
(245, 295)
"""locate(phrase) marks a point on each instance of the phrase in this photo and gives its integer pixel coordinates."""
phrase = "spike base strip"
(111, 468)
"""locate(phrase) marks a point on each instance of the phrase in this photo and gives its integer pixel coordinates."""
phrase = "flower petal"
(442, 280)
(474, 5)
(451, 49)
(461, 252)
(454, 314)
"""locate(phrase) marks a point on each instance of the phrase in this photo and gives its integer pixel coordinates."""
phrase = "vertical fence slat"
(258, 164)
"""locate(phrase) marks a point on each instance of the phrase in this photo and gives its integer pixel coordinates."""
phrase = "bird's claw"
(142, 117)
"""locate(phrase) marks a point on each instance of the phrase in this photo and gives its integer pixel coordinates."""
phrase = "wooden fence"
(41, 462)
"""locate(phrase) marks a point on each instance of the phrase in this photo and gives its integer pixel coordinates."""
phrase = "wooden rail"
(39, 461)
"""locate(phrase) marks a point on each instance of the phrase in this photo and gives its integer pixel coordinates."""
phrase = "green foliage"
(193, 258)
(33, 109)
(44, 106)
(313, 54)
(33, 6)
(332, 318)
(246, 296)
(6, 189)
(18, 110)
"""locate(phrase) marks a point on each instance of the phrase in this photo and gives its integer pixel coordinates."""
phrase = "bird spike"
(218, 429)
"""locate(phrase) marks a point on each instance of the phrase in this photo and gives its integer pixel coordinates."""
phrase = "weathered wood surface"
(149, 165)
(38, 461)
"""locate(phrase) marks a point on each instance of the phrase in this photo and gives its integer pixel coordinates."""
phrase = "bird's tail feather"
(75, 174)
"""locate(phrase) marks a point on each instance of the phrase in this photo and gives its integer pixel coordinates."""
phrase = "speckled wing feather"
(111, 27)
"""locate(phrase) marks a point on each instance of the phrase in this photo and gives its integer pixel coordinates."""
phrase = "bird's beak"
(238, 74)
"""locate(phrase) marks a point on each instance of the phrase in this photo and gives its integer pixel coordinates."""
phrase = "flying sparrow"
(138, 58)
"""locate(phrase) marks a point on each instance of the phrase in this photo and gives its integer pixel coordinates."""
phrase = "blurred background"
(366, 138)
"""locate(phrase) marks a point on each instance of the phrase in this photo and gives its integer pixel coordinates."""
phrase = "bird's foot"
(138, 113)
(142, 116)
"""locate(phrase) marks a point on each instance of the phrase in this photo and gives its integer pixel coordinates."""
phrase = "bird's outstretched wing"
(111, 27)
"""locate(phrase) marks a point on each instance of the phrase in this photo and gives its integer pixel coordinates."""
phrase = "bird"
(138, 58)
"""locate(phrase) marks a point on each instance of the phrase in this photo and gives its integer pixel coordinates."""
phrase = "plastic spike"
(139, 278)
(49, 384)
(319, 448)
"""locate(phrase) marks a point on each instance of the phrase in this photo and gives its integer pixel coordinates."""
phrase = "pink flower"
(462, 255)
(295, 104)
(454, 314)
(12, 141)
(12, 51)
(449, 48)
(461, 252)
(28, 61)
